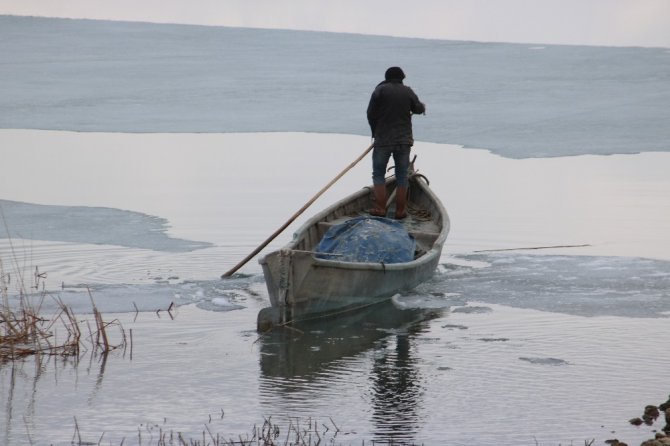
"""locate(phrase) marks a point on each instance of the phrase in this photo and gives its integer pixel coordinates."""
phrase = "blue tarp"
(368, 239)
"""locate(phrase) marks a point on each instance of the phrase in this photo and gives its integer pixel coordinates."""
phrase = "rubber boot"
(380, 201)
(401, 203)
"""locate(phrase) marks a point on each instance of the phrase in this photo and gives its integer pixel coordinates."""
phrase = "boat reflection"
(397, 387)
(307, 362)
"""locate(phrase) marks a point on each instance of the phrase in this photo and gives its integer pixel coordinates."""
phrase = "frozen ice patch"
(472, 310)
(211, 295)
(544, 361)
(578, 285)
(424, 301)
(94, 225)
(219, 304)
(604, 106)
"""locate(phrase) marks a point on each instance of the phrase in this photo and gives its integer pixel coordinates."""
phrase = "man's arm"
(418, 107)
(372, 113)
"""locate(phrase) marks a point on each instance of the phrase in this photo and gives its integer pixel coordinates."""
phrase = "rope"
(418, 213)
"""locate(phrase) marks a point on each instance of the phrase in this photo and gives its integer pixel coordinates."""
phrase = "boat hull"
(302, 286)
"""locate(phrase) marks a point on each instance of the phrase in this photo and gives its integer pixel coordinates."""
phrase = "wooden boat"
(303, 286)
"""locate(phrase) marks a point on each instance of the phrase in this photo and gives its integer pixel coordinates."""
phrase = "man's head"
(394, 74)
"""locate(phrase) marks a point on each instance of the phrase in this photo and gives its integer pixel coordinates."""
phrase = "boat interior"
(423, 221)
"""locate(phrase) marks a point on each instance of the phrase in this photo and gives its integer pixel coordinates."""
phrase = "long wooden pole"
(296, 215)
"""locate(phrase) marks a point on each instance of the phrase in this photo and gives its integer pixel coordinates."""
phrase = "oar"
(296, 215)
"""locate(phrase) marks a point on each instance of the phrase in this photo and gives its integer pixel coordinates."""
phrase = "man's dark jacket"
(390, 113)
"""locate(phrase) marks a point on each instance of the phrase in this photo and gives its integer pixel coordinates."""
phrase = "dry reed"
(25, 331)
(298, 433)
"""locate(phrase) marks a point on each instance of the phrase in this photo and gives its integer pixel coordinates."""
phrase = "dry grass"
(310, 432)
(26, 331)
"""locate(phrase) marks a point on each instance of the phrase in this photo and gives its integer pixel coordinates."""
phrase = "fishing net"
(369, 240)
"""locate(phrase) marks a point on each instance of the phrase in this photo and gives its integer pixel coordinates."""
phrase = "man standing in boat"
(390, 117)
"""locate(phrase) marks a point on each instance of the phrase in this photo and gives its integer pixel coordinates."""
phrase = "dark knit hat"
(394, 73)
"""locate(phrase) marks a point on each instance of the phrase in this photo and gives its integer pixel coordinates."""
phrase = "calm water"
(509, 347)
(451, 371)
(538, 347)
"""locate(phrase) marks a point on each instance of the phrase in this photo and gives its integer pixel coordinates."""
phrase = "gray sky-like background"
(581, 22)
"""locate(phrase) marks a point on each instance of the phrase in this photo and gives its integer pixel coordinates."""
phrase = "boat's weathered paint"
(301, 285)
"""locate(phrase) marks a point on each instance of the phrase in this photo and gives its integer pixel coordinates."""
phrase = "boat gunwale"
(427, 257)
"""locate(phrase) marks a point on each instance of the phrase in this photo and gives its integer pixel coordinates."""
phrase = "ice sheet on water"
(212, 295)
(426, 301)
(513, 99)
(94, 225)
(544, 361)
(474, 309)
(578, 285)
